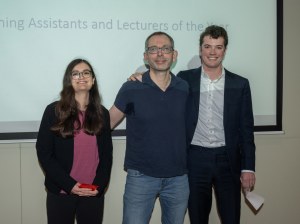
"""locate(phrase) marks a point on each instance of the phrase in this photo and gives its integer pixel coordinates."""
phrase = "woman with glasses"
(74, 148)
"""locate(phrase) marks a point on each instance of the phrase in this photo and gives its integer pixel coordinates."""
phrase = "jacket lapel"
(195, 87)
(228, 83)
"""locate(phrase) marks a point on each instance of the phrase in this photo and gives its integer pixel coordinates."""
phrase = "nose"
(159, 51)
(213, 50)
(80, 75)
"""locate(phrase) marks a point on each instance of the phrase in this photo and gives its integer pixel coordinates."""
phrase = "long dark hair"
(67, 107)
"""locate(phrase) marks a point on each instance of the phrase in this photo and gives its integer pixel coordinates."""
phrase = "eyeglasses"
(84, 74)
(155, 50)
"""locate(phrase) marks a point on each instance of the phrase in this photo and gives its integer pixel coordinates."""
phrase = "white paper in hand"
(255, 200)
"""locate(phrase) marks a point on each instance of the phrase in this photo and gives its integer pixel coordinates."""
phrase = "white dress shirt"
(210, 129)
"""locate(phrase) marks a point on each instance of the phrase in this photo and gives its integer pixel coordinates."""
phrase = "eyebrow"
(82, 70)
(166, 45)
(213, 45)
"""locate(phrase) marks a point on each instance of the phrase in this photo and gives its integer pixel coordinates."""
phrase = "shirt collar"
(205, 76)
(147, 79)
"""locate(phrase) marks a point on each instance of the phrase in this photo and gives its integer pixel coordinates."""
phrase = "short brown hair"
(214, 32)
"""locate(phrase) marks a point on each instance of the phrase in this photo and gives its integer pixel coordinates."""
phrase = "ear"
(146, 57)
(200, 54)
(175, 55)
(93, 81)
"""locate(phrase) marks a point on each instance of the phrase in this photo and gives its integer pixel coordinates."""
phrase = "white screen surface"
(39, 38)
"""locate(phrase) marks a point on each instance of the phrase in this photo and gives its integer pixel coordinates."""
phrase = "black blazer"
(55, 155)
(237, 117)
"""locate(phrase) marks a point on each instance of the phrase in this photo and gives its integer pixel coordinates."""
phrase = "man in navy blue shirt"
(155, 158)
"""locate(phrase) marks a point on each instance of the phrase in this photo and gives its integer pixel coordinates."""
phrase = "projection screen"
(39, 38)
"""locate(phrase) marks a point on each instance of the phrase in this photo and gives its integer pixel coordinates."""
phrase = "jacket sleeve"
(54, 171)
(106, 148)
(247, 130)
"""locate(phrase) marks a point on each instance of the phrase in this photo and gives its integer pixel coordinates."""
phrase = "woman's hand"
(86, 192)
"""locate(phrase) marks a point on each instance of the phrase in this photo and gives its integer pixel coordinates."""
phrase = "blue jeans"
(141, 192)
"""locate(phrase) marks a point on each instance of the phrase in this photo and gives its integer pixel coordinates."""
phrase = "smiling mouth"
(160, 61)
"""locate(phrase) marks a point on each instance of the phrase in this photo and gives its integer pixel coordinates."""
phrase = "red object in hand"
(89, 186)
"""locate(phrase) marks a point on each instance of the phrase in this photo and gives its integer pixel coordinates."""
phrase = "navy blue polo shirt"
(155, 126)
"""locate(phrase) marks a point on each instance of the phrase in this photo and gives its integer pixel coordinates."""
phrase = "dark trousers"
(210, 168)
(63, 209)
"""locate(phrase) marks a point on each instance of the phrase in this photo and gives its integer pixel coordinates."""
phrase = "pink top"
(86, 158)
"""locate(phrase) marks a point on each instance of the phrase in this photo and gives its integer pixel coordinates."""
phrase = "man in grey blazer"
(220, 133)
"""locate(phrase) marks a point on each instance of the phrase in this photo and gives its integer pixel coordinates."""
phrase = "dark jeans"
(210, 168)
(63, 209)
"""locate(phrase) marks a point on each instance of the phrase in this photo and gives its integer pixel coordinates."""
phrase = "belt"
(217, 150)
